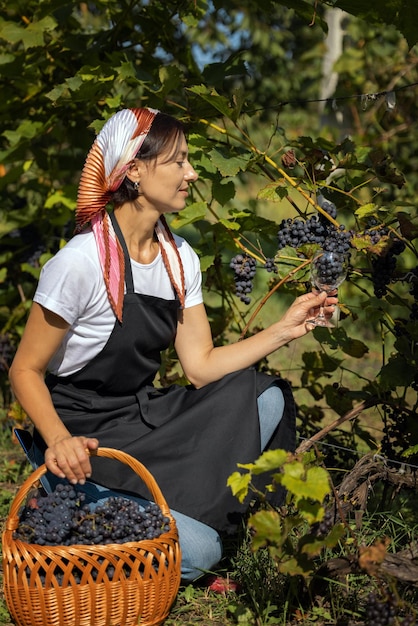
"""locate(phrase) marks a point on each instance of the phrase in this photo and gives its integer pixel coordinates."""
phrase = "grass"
(266, 597)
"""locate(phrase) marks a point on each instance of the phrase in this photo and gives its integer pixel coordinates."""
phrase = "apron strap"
(129, 281)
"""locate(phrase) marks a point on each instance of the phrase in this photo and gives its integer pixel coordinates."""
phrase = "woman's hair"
(166, 132)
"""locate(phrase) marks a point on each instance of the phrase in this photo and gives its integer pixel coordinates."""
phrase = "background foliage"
(248, 81)
(277, 115)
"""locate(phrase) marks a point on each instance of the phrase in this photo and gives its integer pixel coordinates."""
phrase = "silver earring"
(136, 185)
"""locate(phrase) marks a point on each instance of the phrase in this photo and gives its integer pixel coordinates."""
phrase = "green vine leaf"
(267, 526)
(229, 224)
(297, 566)
(275, 192)
(192, 213)
(366, 210)
(223, 191)
(211, 96)
(239, 484)
(170, 77)
(339, 398)
(229, 165)
(311, 484)
(397, 373)
(353, 347)
(310, 511)
(269, 461)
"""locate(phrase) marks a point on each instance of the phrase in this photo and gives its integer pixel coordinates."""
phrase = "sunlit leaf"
(239, 484)
(366, 210)
(314, 483)
(229, 224)
(269, 461)
(274, 192)
(268, 528)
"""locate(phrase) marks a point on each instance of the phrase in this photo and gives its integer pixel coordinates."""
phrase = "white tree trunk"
(334, 48)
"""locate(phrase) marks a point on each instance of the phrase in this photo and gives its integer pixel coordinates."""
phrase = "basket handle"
(110, 453)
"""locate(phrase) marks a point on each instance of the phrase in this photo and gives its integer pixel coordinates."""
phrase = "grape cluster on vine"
(320, 231)
(383, 267)
(244, 267)
(63, 517)
(317, 229)
(375, 231)
(385, 611)
(270, 265)
(322, 528)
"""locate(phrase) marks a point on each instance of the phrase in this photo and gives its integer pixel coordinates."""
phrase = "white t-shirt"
(72, 286)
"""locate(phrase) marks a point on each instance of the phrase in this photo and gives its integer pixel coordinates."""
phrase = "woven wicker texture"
(39, 583)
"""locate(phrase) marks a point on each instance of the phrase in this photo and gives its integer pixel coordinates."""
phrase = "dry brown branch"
(402, 565)
(352, 495)
(371, 468)
(308, 443)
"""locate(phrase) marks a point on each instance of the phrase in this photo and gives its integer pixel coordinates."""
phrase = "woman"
(106, 305)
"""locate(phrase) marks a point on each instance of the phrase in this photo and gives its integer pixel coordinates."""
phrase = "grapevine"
(321, 231)
(317, 229)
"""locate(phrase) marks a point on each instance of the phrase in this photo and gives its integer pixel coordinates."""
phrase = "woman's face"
(164, 183)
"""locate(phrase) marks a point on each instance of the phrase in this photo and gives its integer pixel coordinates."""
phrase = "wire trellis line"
(402, 464)
(365, 98)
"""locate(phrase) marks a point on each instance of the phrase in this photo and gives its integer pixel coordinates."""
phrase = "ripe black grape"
(317, 229)
(244, 267)
(63, 517)
(380, 611)
(327, 206)
(384, 609)
(270, 266)
(328, 269)
(322, 528)
(383, 268)
(375, 231)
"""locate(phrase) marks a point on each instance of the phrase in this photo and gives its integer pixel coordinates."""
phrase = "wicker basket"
(142, 589)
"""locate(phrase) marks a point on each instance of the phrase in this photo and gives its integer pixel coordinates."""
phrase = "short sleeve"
(67, 284)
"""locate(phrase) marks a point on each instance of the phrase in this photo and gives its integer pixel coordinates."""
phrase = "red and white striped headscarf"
(105, 168)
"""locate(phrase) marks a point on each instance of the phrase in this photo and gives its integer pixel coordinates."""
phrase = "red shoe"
(218, 584)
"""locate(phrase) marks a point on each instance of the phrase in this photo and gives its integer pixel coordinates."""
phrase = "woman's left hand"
(294, 321)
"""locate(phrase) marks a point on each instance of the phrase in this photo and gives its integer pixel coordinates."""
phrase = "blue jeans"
(201, 545)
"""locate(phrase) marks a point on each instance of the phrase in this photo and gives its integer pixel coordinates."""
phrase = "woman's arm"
(66, 456)
(203, 363)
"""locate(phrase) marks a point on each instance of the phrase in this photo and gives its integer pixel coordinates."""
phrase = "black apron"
(189, 439)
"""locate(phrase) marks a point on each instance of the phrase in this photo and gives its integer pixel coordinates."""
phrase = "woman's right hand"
(66, 456)
(70, 458)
